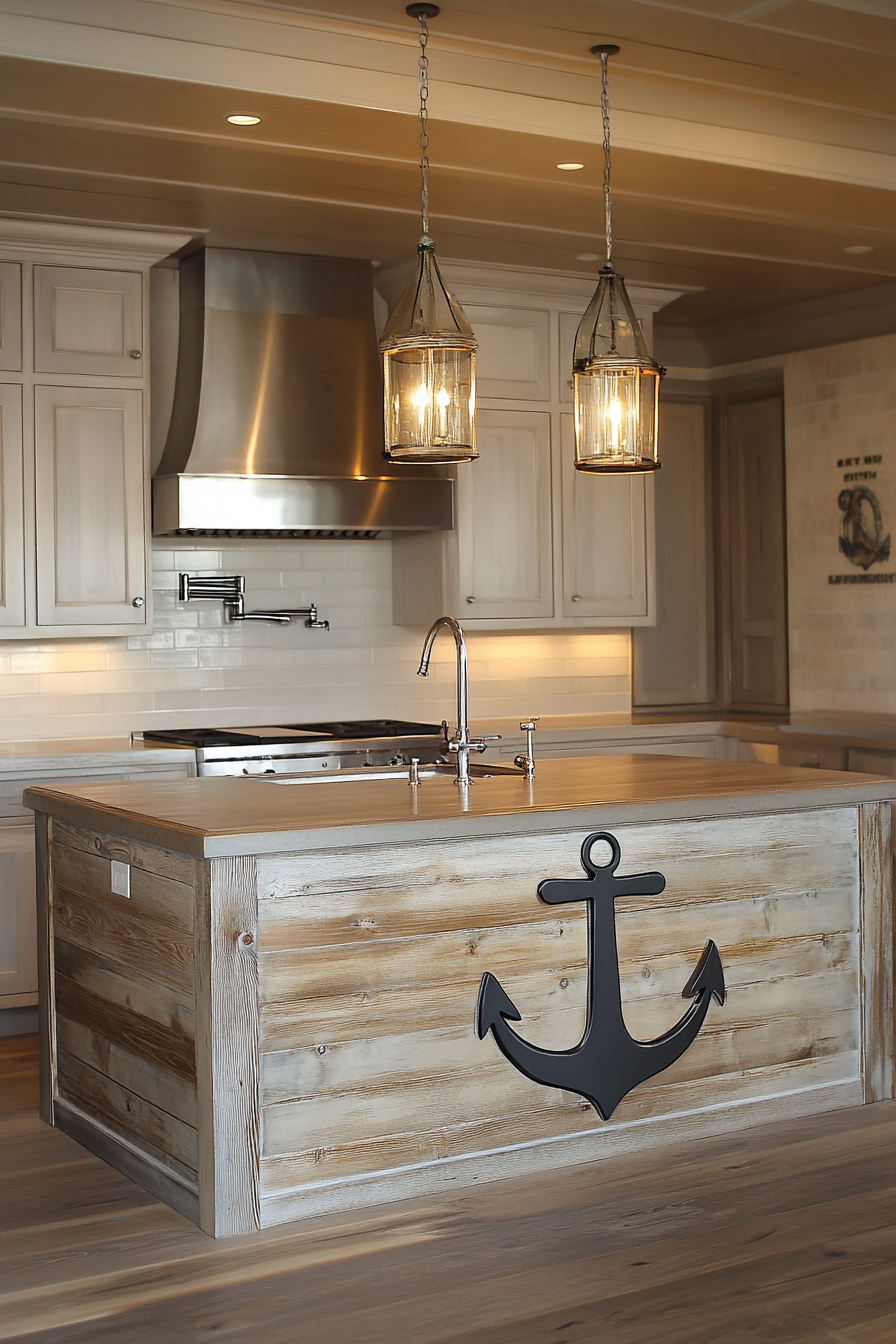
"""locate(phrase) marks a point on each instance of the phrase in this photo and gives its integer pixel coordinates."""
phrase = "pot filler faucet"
(461, 743)
(231, 590)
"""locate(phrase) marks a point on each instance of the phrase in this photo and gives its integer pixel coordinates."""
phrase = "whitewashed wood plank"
(227, 1046)
(153, 1083)
(331, 1154)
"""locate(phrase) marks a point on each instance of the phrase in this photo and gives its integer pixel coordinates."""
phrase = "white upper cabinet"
(504, 541)
(74, 416)
(88, 321)
(12, 508)
(536, 544)
(89, 492)
(607, 523)
(514, 358)
(10, 316)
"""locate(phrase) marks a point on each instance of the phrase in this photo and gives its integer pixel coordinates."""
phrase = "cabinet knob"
(134, 354)
(471, 599)
(576, 597)
(137, 602)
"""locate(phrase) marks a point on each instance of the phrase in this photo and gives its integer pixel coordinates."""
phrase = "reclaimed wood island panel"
(278, 1020)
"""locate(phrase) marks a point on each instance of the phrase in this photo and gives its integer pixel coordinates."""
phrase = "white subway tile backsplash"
(197, 669)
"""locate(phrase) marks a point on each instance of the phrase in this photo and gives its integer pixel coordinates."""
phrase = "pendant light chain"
(423, 83)
(605, 111)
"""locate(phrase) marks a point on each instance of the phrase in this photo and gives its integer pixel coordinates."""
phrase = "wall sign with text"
(864, 496)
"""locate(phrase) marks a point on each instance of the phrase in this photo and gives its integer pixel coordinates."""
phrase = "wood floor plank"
(783, 1234)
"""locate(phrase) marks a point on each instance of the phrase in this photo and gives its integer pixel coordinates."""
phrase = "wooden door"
(504, 542)
(607, 540)
(88, 321)
(12, 517)
(673, 661)
(91, 558)
(18, 934)
(10, 316)
(758, 552)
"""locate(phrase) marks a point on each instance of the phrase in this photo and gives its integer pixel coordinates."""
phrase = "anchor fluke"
(494, 1003)
(708, 975)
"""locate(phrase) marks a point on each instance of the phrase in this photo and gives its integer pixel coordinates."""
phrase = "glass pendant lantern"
(428, 346)
(615, 379)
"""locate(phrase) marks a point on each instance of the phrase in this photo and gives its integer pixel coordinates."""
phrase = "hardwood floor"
(782, 1233)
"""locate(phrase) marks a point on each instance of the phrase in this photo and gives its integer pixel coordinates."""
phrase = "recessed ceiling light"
(587, 256)
(570, 167)
(858, 249)
(243, 119)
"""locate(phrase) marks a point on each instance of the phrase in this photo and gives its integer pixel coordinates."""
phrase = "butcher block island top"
(262, 1001)
(229, 816)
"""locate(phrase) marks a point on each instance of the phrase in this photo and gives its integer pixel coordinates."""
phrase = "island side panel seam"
(227, 1045)
(875, 835)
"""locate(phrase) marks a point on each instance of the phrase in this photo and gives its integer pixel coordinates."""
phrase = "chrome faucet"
(461, 743)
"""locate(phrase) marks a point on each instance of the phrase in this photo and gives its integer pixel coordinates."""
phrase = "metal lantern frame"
(615, 378)
(428, 346)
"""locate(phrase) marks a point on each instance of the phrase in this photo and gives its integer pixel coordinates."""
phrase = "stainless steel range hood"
(277, 426)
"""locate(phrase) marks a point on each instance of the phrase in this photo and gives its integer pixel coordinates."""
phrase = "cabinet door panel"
(504, 518)
(673, 662)
(88, 321)
(758, 553)
(18, 911)
(514, 352)
(10, 315)
(605, 560)
(12, 518)
(90, 512)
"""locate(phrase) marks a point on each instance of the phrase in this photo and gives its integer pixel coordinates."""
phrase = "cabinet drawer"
(88, 321)
(10, 316)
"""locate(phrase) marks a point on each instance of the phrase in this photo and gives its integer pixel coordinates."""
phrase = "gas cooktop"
(284, 734)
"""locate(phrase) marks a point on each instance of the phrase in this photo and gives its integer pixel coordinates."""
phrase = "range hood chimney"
(277, 424)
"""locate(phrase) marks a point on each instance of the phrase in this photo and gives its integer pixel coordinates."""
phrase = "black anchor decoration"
(608, 1062)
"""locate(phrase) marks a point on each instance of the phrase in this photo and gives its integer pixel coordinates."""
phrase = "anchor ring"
(595, 868)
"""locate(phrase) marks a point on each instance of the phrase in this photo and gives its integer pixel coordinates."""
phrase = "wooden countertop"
(219, 817)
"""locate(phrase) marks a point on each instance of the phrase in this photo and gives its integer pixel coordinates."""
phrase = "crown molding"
(807, 325)
(493, 283)
(90, 240)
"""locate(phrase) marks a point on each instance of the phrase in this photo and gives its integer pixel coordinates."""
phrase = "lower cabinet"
(18, 912)
(18, 943)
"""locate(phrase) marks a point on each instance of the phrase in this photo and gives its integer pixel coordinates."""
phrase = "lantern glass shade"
(429, 372)
(616, 383)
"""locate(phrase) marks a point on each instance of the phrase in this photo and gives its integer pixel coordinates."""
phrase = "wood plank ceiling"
(754, 142)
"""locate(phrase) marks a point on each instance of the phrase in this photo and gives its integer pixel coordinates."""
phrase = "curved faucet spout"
(463, 720)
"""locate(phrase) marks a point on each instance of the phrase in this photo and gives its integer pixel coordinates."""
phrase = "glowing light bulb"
(421, 398)
(614, 419)
(443, 399)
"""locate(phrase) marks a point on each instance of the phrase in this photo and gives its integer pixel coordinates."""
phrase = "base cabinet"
(18, 945)
(18, 931)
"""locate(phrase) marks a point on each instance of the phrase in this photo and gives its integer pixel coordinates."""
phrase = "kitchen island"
(259, 999)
